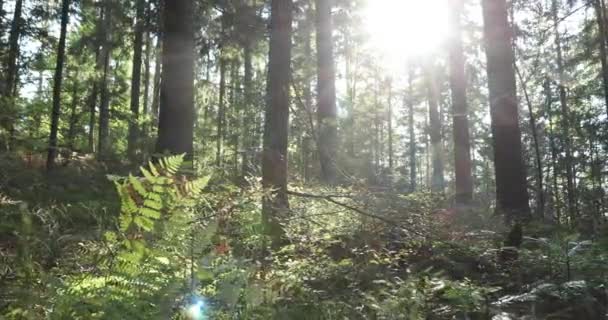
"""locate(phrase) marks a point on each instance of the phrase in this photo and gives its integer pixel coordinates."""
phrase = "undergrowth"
(171, 243)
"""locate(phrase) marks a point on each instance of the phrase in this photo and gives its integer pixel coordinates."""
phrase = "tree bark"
(132, 140)
(176, 114)
(460, 120)
(274, 163)
(71, 136)
(57, 81)
(511, 187)
(326, 90)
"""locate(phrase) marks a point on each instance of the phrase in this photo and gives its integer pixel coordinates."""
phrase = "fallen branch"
(330, 198)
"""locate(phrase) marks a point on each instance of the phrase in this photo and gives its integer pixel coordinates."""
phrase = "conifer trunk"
(565, 110)
(136, 81)
(57, 82)
(326, 91)
(458, 84)
(176, 114)
(274, 163)
(511, 186)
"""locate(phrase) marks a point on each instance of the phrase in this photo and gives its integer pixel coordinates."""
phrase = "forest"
(304, 159)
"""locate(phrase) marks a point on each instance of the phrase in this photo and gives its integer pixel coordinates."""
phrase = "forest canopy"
(303, 159)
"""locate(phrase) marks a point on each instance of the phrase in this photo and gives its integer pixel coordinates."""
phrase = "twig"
(331, 199)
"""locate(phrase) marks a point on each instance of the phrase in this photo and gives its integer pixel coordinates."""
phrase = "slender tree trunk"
(73, 114)
(565, 110)
(148, 54)
(458, 84)
(157, 82)
(221, 113)
(511, 186)
(176, 116)
(136, 81)
(602, 45)
(412, 132)
(437, 180)
(537, 153)
(326, 90)
(555, 192)
(57, 81)
(10, 65)
(104, 104)
(390, 125)
(248, 148)
(274, 163)
(92, 105)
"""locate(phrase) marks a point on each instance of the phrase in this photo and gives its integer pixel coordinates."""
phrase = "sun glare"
(403, 29)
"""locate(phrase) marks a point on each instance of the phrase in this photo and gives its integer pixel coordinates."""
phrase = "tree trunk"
(549, 102)
(249, 106)
(326, 90)
(390, 125)
(11, 69)
(458, 85)
(537, 153)
(104, 65)
(57, 81)
(92, 106)
(274, 163)
(10, 65)
(602, 44)
(412, 132)
(511, 187)
(157, 82)
(146, 102)
(565, 110)
(221, 113)
(437, 180)
(73, 114)
(132, 141)
(176, 116)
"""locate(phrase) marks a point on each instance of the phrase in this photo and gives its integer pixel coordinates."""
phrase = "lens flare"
(196, 309)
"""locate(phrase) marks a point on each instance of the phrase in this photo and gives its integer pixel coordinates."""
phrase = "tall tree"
(274, 162)
(11, 69)
(563, 99)
(103, 67)
(221, 113)
(390, 124)
(437, 180)
(511, 188)
(136, 79)
(10, 65)
(176, 114)
(411, 129)
(56, 112)
(601, 19)
(458, 85)
(326, 91)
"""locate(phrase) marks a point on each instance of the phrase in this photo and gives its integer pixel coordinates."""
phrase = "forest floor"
(352, 253)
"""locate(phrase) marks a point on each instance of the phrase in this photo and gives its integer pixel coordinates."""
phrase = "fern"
(143, 276)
